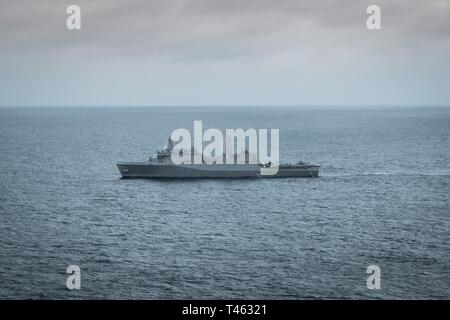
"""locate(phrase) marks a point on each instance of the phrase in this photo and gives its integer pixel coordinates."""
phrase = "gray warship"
(161, 166)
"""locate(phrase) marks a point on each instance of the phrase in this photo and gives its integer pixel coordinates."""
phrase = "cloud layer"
(228, 47)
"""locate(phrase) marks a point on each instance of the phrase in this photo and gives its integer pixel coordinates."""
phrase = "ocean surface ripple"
(382, 198)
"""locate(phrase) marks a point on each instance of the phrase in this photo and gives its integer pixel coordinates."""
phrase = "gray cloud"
(213, 29)
(224, 51)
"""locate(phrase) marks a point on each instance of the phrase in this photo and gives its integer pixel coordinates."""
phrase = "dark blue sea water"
(382, 198)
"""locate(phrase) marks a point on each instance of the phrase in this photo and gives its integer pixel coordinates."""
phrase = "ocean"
(382, 199)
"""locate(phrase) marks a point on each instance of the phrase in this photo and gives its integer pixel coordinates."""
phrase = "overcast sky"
(224, 52)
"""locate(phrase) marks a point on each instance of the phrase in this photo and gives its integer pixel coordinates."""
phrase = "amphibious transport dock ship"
(162, 166)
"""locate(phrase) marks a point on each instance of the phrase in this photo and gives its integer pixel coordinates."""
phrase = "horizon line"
(234, 106)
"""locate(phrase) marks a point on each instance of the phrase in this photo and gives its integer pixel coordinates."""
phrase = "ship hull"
(146, 170)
